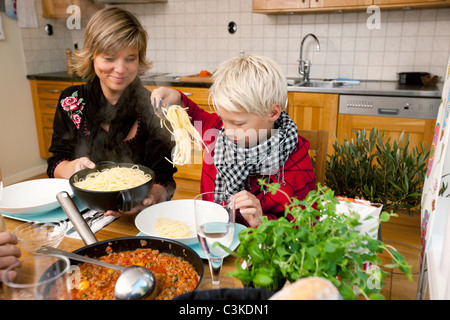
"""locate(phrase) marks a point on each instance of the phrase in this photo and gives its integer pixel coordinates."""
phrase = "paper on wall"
(2, 33)
(10, 8)
(26, 14)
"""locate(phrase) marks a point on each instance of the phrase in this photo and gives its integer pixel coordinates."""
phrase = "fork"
(157, 108)
(90, 220)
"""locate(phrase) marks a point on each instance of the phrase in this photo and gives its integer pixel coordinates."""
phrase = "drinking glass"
(1, 185)
(39, 277)
(214, 219)
(2, 224)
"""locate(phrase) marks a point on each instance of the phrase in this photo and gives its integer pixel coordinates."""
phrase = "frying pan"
(96, 249)
(102, 201)
(171, 247)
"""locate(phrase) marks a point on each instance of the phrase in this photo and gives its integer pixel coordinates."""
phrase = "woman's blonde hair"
(108, 31)
(250, 82)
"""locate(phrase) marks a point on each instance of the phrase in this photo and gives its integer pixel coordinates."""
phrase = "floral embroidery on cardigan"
(74, 108)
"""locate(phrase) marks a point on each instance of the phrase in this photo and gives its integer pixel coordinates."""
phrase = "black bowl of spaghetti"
(113, 186)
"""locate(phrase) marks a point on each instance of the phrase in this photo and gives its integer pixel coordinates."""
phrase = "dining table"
(124, 226)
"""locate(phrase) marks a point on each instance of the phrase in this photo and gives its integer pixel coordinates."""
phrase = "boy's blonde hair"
(108, 31)
(250, 82)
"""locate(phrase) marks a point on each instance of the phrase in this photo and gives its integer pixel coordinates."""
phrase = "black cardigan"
(77, 132)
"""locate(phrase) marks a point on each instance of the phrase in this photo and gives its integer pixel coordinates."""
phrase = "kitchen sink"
(162, 77)
(316, 83)
(321, 84)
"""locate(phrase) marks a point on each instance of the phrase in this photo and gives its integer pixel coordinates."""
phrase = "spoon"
(135, 282)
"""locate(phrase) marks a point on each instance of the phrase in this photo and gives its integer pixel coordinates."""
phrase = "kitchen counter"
(146, 80)
(54, 76)
(385, 88)
(377, 88)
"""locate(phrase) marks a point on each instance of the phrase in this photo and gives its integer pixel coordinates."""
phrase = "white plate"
(34, 196)
(181, 210)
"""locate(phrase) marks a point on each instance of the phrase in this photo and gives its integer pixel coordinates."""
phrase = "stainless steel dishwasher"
(413, 115)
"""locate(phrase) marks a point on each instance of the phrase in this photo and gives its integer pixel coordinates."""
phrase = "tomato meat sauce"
(174, 275)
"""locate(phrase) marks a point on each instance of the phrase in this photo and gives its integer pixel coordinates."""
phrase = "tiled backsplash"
(187, 36)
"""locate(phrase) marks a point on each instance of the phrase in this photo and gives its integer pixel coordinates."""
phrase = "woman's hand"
(65, 169)
(9, 252)
(167, 95)
(157, 194)
(249, 206)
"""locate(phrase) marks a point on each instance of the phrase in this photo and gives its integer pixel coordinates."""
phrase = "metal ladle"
(134, 282)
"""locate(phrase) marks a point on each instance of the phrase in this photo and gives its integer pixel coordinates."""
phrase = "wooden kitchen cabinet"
(278, 6)
(304, 6)
(409, 2)
(58, 8)
(419, 130)
(45, 101)
(315, 111)
(188, 175)
(340, 4)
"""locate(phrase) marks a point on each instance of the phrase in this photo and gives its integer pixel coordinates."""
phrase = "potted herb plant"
(374, 168)
(318, 242)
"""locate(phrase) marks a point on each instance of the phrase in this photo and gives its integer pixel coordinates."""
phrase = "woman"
(110, 117)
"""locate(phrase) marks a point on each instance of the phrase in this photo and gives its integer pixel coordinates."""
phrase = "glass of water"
(2, 222)
(39, 277)
(214, 219)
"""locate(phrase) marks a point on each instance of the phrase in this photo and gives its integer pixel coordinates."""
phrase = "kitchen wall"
(19, 151)
(187, 36)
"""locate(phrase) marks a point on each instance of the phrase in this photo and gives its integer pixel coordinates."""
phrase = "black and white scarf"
(236, 164)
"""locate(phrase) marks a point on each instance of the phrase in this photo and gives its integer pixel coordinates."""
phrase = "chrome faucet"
(304, 66)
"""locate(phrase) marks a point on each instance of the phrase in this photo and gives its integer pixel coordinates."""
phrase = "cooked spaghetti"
(184, 133)
(113, 179)
(171, 228)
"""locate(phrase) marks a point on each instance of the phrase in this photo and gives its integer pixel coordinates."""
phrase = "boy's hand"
(249, 206)
(166, 95)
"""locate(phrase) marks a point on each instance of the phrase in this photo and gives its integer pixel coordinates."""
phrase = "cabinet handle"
(52, 90)
(188, 93)
(51, 105)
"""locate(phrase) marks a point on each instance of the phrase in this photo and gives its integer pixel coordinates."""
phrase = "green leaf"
(376, 296)
(373, 245)
(313, 251)
(385, 216)
(262, 280)
(329, 247)
(346, 292)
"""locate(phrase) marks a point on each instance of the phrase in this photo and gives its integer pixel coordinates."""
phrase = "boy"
(249, 137)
